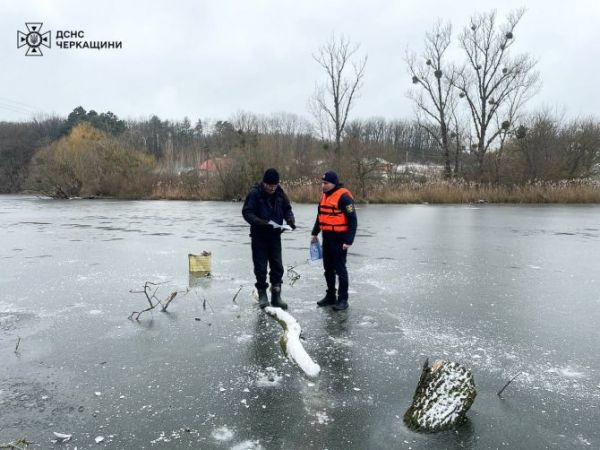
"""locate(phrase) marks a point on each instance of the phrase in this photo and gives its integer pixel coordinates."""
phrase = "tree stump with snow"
(445, 392)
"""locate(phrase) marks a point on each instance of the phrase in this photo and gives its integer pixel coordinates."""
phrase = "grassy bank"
(462, 192)
(438, 192)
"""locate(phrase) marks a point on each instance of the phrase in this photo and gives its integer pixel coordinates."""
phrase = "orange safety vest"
(331, 218)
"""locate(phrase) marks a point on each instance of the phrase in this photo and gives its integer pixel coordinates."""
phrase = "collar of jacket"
(337, 186)
(261, 190)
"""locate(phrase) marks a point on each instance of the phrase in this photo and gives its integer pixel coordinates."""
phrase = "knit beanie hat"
(271, 176)
(331, 177)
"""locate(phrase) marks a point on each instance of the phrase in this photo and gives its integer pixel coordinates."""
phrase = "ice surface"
(502, 289)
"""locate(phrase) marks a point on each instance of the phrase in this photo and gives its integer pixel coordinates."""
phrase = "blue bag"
(316, 252)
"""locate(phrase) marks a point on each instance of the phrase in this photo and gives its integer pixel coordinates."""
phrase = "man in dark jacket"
(265, 209)
(337, 219)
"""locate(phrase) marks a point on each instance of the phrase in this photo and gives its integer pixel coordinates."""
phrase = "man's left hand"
(346, 246)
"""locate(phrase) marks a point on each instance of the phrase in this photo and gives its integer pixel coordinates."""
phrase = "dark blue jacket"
(260, 207)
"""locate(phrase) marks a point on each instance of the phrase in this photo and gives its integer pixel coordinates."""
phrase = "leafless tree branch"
(153, 300)
(333, 101)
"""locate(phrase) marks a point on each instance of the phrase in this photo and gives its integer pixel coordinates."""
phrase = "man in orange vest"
(337, 220)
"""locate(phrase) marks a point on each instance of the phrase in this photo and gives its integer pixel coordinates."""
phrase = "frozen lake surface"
(500, 289)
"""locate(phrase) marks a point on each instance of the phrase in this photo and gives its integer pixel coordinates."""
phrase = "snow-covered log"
(445, 392)
(290, 341)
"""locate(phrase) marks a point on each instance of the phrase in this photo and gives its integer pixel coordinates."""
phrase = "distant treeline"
(91, 154)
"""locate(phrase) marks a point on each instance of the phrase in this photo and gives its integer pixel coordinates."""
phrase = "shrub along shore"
(90, 163)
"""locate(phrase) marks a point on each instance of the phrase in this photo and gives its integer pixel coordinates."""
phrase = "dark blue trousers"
(334, 263)
(266, 249)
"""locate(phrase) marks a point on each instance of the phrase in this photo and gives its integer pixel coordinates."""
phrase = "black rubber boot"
(263, 300)
(276, 298)
(341, 304)
(328, 300)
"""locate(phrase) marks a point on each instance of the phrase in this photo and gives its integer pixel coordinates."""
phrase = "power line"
(17, 103)
(15, 110)
(14, 106)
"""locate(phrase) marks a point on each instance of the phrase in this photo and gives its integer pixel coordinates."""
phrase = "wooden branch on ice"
(168, 301)
(153, 300)
(237, 293)
(19, 444)
(506, 385)
(292, 274)
(204, 303)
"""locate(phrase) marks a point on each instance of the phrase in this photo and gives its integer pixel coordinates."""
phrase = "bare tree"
(494, 84)
(460, 126)
(332, 101)
(436, 100)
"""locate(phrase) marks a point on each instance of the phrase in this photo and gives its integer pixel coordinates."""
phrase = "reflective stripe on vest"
(331, 218)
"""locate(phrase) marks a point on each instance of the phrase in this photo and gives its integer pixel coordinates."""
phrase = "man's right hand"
(263, 223)
(314, 238)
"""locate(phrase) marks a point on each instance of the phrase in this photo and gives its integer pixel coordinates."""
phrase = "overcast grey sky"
(209, 59)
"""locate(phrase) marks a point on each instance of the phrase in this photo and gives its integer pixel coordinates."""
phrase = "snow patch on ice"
(222, 434)
(248, 445)
(243, 338)
(10, 308)
(8, 319)
(342, 341)
(567, 371)
(95, 312)
(164, 252)
(382, 285)
(323, 418)
(583, 441)
(268, 378)
(368, 322)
